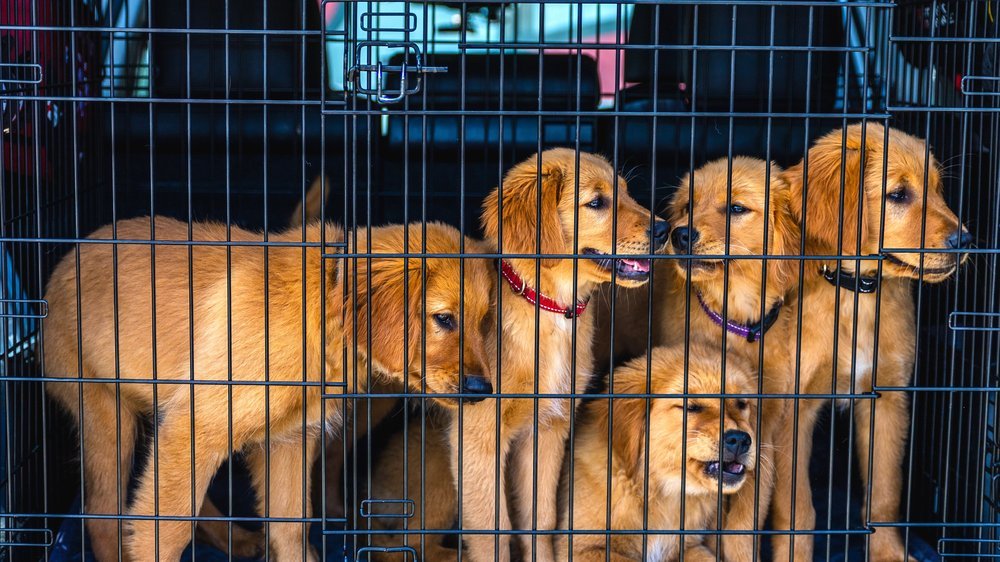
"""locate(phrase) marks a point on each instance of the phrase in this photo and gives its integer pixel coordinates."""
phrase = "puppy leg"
(699, 553)
(391, 536)
(392, 553)
(432, 550)
(480, 477)
(599, 547)
(431, 490)
(427, 547)
(246, 543)
(287, 494)
(886, 457)
(794, 547)
(599, 554)
(106, 480)
(340, 446)
(740, 515)
(541, 491)
(168, 489)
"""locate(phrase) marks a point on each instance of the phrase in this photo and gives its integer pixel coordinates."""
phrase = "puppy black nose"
(960, 240)
(659, 233)
(476, 384)
(683, 237)
(736, 442)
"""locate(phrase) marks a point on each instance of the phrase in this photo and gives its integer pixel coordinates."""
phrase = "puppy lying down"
(696, 449)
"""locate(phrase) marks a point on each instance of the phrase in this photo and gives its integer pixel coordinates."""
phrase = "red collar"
(521, 287)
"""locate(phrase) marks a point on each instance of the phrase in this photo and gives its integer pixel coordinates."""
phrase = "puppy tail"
(313, 202)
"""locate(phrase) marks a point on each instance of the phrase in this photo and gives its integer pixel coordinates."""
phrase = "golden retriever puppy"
(696, 448)
(217, 324)
(845, 173)
(723, 211)
(567, 201)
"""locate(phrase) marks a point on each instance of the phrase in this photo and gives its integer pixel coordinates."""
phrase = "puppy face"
(908, 168)
(422, 311)
(719, 434)
(588, 194)
(704, 208)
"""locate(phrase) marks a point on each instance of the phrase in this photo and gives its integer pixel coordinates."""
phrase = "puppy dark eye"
(898, 195)
(597, 202)
(694, 408)
(737, 209)
(446, 321)
(742, 404)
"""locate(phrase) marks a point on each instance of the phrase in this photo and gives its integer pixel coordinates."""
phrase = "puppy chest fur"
(860, 356)
(557, 369)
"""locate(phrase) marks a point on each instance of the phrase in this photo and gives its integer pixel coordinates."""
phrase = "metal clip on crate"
(381, 95)
(410, 553)
(366, 508)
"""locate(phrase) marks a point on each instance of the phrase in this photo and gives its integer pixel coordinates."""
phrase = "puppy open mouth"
(625, 268)
(918, 270)
(731, 472)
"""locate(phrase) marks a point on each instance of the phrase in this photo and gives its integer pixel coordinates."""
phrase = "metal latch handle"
(381, 70)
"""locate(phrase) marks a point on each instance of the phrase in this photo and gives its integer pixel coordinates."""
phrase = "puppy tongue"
(638, 265)
(734, 468)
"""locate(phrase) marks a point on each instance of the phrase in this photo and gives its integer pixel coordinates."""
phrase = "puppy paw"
(887, 546)
(738, 548)
(247, 544)
(897, 557)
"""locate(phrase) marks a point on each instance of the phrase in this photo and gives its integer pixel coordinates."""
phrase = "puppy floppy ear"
(826, 210)
(786, 234)
(629, 420)
(385, 300)
(522, 218)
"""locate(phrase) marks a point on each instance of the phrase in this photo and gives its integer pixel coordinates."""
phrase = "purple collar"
(752, 332)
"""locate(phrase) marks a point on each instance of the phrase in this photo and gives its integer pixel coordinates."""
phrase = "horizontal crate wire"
(317, 280)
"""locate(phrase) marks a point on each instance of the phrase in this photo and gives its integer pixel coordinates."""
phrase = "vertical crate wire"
(414, 111)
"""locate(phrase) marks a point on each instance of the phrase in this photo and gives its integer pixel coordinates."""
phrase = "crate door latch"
(371, 64)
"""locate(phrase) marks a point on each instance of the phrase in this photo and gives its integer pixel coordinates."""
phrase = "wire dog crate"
(413, 112)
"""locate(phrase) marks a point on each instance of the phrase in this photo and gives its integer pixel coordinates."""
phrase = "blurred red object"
(38, 60)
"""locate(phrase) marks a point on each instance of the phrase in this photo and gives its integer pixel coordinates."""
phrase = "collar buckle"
(867, 284)
(851, 282)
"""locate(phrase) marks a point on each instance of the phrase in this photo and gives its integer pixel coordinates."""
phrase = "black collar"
(851, 282)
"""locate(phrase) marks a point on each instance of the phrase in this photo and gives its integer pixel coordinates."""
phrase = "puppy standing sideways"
(738, 208)
(843, 162)
(573, 189)
(224, 303)
(696, 448)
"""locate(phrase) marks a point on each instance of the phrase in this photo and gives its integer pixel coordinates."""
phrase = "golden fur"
(677, 462)
(426, 472)
(563, 173)
(227, 299)
(311, 206)
(701, 203)
(903, 160)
